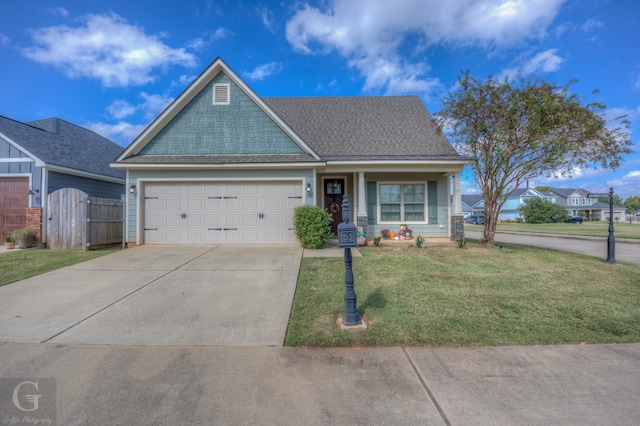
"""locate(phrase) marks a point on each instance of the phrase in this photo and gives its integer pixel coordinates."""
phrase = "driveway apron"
(159, 295)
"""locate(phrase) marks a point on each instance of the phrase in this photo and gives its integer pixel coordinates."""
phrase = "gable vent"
(221, 94)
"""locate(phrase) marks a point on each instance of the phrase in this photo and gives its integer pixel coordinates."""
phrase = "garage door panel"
(261, 212)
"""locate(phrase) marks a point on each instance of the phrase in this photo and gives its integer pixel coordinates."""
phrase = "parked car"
(574, 219)
(475, 219)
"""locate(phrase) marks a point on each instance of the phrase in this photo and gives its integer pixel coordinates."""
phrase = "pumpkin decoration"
(392, 235)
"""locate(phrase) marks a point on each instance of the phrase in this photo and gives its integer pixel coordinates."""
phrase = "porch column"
(362, 219)
(457, 217)
(457, 197)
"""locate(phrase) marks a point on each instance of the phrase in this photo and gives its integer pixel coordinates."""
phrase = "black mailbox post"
(348, 239)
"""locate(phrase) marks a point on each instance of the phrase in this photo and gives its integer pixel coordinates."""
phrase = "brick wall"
(34, 220)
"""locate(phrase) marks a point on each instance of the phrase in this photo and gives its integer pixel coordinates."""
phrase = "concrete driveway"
(159, 295)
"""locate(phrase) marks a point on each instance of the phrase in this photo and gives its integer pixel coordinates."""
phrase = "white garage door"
(212, 213)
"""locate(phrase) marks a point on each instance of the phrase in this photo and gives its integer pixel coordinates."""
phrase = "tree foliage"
(542, 210)
(632, 203)
(617, 200)
(520, 129)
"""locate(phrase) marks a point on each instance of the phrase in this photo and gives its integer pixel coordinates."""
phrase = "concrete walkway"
(203, 385)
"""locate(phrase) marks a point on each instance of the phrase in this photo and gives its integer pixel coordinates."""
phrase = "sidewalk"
(538, 385)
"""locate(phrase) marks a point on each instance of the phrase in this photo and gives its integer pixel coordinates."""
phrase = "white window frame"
(575, 201)
(402, 184)
(228, 89)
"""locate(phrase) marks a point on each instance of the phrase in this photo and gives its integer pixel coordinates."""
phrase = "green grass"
(446, 296)
(20, 264)
(592, 229)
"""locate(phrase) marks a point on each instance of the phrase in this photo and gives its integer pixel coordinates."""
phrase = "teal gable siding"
(202, 128)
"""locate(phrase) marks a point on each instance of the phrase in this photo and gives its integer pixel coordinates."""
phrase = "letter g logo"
(33, 399)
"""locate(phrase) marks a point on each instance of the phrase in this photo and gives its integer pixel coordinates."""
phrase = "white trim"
(17, 160)
(402, 183)
(137, 166)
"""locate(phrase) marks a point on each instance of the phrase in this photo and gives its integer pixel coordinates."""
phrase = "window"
(221, 94)
(575, 201)
(402, 202)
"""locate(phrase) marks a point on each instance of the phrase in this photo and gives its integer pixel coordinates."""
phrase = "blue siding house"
(40, 157)
(223, 165)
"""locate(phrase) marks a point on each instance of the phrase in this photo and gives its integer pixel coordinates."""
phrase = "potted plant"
(405, 232)
(23, 237)
(385, 233)
(9, 243)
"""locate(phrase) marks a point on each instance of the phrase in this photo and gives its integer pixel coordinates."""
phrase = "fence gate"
(77, 221)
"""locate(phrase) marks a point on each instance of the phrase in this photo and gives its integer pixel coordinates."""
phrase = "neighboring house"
(222, 165)
(578, 203)
(40, 157)
(472, 204)
(511, 208)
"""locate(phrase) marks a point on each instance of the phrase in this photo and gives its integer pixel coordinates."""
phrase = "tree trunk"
(490, 222)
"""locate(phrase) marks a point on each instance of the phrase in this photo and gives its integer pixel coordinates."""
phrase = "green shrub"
(312, 226)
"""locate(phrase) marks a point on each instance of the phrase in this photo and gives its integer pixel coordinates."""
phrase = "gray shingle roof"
(60, 143)
(365, 128)
(472, 199)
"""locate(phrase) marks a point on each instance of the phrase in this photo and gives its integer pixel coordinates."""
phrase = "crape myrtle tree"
(522, 128)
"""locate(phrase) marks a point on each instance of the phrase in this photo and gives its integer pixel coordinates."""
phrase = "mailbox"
(347, 235)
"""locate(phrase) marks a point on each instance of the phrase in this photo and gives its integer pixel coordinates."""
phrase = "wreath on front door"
(335, 208)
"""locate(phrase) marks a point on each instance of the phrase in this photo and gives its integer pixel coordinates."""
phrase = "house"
(472, 204)
(578, 203)
(222, 165)
(511, 208)
(40, 157)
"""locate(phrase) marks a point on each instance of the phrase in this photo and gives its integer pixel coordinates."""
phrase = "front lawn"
(446, 296)
(591, 229)
(20, 264)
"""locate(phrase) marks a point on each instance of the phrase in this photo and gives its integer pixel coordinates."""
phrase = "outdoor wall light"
(132, 188)
(309, 188)
(33, 190)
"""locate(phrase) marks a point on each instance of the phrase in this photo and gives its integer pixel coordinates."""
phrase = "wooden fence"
(77, 221)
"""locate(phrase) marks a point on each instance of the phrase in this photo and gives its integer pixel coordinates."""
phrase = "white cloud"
(543, 62)
(636, 86)
(106, 48)
(591, 24)
(4, 40)
(371, 38)
(150, 106)
(267, 18)
(122, 132)
(59, 11)
(209, 38)
(263, 71)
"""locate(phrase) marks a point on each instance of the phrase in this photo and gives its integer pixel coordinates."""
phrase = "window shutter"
(432, 189)
(221, 94)
(372, 203)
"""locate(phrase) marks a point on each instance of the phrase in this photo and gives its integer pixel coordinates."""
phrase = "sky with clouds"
(112, 66)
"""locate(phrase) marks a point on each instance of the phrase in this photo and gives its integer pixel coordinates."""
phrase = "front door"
(333, 191)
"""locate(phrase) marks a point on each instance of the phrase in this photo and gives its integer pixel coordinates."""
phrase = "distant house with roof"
(472, 204)
(578, 203)
(233, 165)
(40, 157)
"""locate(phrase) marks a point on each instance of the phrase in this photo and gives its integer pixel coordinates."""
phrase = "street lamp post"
(611, 240)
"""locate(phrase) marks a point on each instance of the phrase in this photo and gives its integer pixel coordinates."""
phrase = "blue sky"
(112, 66)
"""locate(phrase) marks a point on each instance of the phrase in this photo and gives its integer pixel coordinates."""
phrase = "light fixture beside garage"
(309, 189)
(132, 189)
